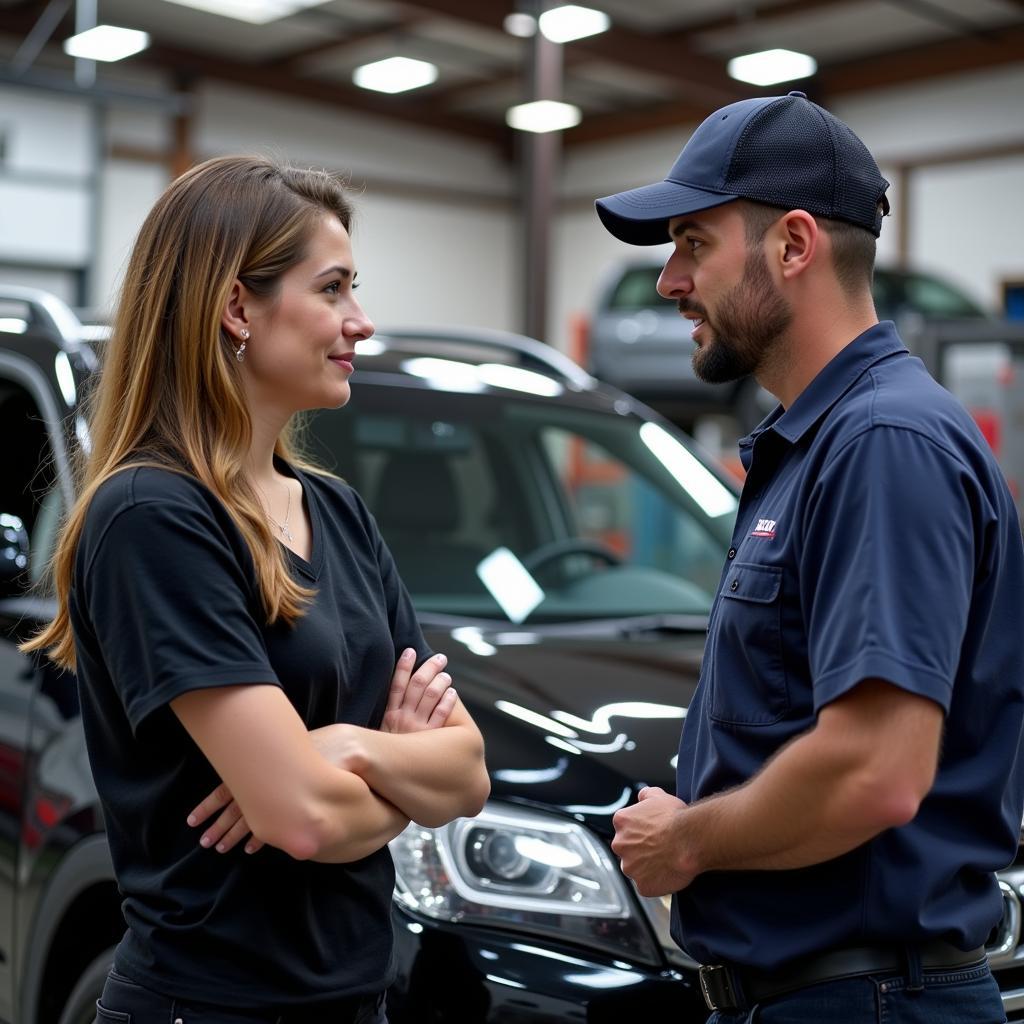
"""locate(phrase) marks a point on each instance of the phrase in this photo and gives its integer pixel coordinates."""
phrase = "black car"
(562, 545)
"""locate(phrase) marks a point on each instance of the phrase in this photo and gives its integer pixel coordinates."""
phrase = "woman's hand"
(229, 829)
(419, 700)
(416, 701)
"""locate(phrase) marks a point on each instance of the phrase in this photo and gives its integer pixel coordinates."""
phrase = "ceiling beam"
(341, 42)
(700, 78)
(620, 124)
(497, 79)
(746, 15)
(912, 64)
(419, 111)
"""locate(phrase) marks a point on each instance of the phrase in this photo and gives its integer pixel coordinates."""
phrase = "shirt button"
(732, 553)
(735, 585)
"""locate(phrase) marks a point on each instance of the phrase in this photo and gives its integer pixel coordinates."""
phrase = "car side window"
(28, 481)
(619, 509)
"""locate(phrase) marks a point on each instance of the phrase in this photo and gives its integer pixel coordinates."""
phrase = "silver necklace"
(283, 527)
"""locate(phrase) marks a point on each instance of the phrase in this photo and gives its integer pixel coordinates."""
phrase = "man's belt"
(738, 988)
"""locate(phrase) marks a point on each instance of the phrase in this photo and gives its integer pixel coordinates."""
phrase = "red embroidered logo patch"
(765, 529)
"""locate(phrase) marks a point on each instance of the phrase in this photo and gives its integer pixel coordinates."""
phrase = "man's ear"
(233, 317)
(797, 236)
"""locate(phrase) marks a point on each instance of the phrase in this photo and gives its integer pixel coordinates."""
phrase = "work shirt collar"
(840, 374)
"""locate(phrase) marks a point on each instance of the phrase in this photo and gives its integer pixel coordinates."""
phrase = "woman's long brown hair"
(169, 392)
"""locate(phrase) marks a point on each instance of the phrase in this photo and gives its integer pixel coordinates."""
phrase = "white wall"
(46, 179)
(433, 238)
(230, 119)
(968, 224)
(966, 218)
(435, 263)
(127, 191)
(438, 235)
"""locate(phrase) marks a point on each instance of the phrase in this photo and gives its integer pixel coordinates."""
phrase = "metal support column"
(540, 160)
(85, 19)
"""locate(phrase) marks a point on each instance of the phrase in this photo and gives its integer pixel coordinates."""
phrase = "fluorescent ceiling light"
(564, 24)
(256, 12)
(771, 66)
(395, 74)
(543, 116)
(106, 42)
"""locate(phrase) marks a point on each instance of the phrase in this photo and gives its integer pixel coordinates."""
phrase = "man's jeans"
(126, 1002)
(964, 996)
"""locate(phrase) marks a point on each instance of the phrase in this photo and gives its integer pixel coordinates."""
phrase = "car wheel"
(81, 1005)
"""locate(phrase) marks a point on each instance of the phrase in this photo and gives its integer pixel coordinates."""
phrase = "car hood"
(574, 724)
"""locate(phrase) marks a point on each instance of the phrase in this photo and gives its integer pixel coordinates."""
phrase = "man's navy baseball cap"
(783, 151)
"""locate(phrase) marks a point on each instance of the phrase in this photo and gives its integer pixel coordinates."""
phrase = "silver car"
(639, 343)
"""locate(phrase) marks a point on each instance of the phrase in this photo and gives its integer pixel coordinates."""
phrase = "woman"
(235, 618)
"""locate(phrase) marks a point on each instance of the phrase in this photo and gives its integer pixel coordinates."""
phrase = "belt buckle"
(719, 989)
(709, 999)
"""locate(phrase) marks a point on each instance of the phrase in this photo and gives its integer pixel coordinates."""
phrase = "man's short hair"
(853, 247)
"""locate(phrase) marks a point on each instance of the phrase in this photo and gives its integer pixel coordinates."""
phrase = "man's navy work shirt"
(876, 537)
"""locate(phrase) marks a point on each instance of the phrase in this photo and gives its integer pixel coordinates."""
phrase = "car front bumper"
(467, 975)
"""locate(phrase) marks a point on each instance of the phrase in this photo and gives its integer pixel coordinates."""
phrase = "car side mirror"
(13, 554)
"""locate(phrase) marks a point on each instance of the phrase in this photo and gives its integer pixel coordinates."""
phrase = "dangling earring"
(240, 351)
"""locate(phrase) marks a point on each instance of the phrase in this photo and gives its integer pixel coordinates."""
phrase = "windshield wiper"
(632, 625)
(668, 624)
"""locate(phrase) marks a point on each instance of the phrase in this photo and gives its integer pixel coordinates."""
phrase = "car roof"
(392, 350)
(461, 359)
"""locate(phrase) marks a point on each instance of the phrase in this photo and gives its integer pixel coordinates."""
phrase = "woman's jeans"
(126, 1002)
(962, 996)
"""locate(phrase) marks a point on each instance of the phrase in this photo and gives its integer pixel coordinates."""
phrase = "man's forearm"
(809, 804)
(801, 809)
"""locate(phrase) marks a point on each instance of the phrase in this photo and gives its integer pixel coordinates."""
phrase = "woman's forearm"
(370, 823)
(433, 776)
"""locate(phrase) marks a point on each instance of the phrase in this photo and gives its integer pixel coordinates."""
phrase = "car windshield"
(531, 511)
(638, 289)
(896, 293)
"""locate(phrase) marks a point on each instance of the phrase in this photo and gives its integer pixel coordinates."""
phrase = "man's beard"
(749, 320)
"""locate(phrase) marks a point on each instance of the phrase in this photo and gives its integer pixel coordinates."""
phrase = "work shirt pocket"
(748, 675)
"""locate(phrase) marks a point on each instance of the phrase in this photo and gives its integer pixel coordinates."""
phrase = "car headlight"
(520, 869)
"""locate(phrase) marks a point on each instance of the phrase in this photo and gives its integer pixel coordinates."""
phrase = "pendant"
(286, 533)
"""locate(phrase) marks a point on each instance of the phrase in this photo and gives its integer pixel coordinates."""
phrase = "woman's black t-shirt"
(164, 600)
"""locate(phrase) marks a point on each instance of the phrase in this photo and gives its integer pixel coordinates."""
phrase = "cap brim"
(641, 215)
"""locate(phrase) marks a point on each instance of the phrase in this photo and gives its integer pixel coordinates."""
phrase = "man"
(848, 780)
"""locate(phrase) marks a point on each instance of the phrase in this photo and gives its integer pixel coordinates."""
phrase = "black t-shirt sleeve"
(170, 603)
